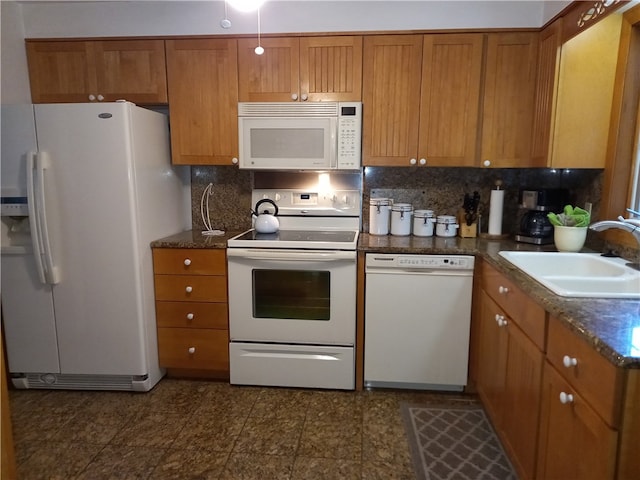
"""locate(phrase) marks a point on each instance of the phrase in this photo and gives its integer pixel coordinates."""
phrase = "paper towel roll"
(495, 212)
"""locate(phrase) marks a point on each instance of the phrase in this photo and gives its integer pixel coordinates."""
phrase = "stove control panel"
(312, 203)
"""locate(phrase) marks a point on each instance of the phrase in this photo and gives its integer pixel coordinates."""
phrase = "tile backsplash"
(438, 189)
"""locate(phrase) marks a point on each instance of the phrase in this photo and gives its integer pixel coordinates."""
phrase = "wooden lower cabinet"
(509, 375)
(192, 313)
(562, 410)
(574, 441)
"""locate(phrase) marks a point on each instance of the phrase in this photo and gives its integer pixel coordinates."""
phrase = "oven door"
(292, 296)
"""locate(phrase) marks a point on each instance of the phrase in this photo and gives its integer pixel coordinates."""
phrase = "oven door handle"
(291, 255)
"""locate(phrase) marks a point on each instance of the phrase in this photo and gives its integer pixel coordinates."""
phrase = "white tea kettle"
(266, 222)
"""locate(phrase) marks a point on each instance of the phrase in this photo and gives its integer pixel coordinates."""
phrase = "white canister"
(423, 221)
(401, 219)
(446, 226)
(379, 212)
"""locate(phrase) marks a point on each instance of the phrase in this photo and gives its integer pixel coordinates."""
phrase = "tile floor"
(185, 429)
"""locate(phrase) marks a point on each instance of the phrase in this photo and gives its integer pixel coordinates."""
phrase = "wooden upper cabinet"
(109, 70)
(507, 115)
(272, 76)
(331, 68)
(450, 99)
(203, 91)
(301, 69)
(550, 43)
(391, 99)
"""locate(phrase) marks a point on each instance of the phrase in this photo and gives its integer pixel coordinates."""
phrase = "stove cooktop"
(317, 239)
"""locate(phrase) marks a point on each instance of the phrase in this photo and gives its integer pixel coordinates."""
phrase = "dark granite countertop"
(611, 326)
(194, 239)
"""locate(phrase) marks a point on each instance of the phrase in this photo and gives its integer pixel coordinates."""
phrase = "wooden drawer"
(191, 288)
(189, 348)
(189, 261)
(597, 380)
(192, 315)
(527, 314)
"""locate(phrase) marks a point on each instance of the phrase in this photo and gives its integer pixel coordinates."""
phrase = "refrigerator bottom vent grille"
(81, 382)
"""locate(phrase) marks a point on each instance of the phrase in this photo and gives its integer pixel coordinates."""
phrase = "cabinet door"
(492, 359)
(574, 441)
(545, 92)
(331, 68)
(203, 88)
(450, 99)
(59, 72)
(508, 99)
(391, 92)
(133, 70)
(522, 400)
(272, 76)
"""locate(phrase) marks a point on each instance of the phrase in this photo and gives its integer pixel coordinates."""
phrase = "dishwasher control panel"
(427, 262)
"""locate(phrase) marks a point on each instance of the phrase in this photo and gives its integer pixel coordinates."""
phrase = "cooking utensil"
(266, 222)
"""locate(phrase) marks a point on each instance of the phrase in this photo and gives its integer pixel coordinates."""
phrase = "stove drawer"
(285, 365)
(192, 348)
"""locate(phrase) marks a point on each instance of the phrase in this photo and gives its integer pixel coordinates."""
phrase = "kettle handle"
(266, 200)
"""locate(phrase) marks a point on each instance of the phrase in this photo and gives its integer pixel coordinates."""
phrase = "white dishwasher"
(417, 321)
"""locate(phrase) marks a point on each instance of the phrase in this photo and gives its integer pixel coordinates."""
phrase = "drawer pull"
(189, 289)
(189, 316)
(187, 261)
(569, 362)
(500, 320)
(192, 350)
(566, 398)
(503, 290)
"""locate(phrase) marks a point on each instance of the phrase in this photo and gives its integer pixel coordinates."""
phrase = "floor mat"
(454, 442)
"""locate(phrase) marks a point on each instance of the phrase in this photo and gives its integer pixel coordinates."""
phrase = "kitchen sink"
(578, 274)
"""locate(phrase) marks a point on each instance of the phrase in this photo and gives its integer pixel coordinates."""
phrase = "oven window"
(291, 294)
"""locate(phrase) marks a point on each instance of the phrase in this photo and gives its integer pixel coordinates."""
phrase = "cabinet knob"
(294, 96)
(189, 316)
(304, 97)
(92, 98)
(503, 290)
(100, 98)
(566, 397)
(501, 321)
(487, 163)
(413, 161)
(423, 161)
(192, 350)
(187, 262)
(569, 362)
(189, 289)
(234, 160)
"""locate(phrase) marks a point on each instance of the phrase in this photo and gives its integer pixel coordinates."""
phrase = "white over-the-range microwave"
(300, 136)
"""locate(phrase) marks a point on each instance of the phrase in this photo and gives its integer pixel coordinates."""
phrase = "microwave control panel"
(349, 135)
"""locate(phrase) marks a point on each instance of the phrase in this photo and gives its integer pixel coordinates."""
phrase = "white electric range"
(292, 294)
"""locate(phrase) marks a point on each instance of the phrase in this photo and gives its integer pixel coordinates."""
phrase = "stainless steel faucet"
(631, 225)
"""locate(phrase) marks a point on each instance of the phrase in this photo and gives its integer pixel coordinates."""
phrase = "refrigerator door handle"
(52, 273)
(36, 240)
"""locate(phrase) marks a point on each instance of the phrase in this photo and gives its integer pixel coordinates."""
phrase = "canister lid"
(423, 213)
(402, 207)
(446, 219)
(380, 202)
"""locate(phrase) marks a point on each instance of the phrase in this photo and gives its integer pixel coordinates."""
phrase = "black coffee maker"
(535, 227)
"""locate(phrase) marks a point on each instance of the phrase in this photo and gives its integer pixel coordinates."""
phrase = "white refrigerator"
(85, 189)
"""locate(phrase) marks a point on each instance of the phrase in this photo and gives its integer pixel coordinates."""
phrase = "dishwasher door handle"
(416, 271)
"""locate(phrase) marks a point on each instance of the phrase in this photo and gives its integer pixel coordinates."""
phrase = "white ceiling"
(52, 18)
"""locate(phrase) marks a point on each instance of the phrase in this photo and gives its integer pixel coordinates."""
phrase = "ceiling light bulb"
(246, 5)
(259, 50)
